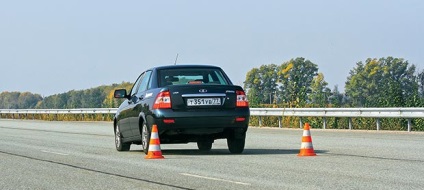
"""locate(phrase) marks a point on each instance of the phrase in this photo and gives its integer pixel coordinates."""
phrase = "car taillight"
(169, 121)
(163, 100)
(240, 119)
(241, 99)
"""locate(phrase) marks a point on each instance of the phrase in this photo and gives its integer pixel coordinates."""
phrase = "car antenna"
(176, 58)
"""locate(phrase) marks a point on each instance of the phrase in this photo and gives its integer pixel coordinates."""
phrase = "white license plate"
(203, 101)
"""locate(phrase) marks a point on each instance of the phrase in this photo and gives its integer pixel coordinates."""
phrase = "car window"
(144, 82)
(188, 76)
(216, 77)
(136, 85)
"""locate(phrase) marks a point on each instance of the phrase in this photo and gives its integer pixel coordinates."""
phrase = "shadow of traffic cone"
(306, 148)
(154, 145)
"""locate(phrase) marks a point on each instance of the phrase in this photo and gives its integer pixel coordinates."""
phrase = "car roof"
(184, 66)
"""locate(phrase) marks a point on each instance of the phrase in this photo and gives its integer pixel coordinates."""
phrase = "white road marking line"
(215, 179)
(58, 153)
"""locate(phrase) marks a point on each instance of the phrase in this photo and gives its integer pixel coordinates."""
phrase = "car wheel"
(236, 145)
(204, 145)
(145, 138)
(120, 146)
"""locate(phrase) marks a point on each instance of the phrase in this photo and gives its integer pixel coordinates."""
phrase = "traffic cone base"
(306, 148)
(307, 152)
(154, 145)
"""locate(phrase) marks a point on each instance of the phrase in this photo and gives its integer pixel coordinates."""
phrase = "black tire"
(204, 145)
(145, 138)
(236, 145)
(120, 146)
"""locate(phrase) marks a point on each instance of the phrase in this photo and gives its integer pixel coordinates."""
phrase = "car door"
(126, 110)
(139, 108)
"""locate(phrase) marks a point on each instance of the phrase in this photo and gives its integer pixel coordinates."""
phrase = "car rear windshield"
(191, 76)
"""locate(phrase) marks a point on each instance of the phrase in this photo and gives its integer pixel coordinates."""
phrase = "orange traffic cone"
(154, 145)
(306, 148)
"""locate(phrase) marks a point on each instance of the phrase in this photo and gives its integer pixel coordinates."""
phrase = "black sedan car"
(188, 103)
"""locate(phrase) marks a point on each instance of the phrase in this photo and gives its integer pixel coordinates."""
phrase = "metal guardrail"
(60, 111)
(407, 113)
(341, 112)
(33, 112)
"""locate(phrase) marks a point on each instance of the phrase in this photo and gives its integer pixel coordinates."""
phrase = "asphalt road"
(80, 155)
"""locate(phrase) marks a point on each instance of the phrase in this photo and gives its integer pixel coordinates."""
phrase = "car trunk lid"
(195, 97)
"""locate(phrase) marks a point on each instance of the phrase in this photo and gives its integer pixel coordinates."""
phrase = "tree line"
(382, 82)
(376, 82)
(98, 97)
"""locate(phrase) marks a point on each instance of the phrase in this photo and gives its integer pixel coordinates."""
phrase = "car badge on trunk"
(203, 90)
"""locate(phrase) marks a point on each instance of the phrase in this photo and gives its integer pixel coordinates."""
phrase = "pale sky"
(50, 47)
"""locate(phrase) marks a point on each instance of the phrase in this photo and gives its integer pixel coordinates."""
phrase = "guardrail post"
(325, 122)
(409, 125)
(300, 122)
(260, 121)
(279, 122)
(350, 123)
(378, 124)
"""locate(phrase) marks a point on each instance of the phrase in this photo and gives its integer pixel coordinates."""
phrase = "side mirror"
(120, 93)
